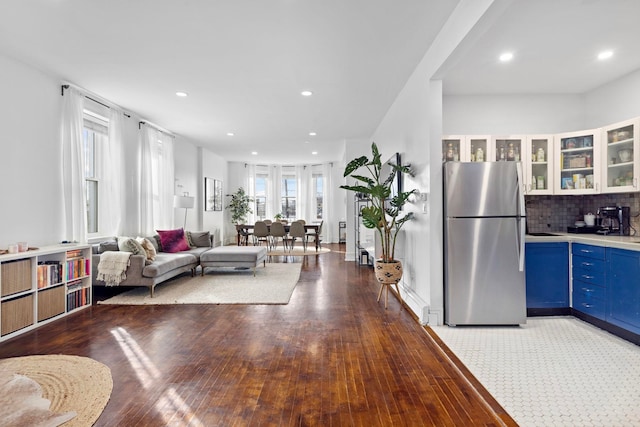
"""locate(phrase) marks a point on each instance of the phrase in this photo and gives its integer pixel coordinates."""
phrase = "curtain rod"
(156, 127)
(84, 93)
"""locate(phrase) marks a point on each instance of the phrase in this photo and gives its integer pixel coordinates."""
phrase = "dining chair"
(302, 221)
(316, 236)
(267, 221)
(277, 231)
(260, 233)
(297, 231)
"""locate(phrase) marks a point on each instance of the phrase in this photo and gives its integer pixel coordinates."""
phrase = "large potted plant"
(239, 206)
(385, 211)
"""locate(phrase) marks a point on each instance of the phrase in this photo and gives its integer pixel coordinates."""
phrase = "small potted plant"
(384, 214)
(278, 217)
(239, 206)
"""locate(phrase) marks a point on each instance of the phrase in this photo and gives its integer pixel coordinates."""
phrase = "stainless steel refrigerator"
(484, 234)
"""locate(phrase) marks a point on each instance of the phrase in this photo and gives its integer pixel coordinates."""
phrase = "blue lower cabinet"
(623, 289)
(547, 275)
(589, 299)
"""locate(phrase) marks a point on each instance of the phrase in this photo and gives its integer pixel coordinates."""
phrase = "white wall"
(512, 114)
(616, 101)
(413, 125)
(31, 156)
(213, 166)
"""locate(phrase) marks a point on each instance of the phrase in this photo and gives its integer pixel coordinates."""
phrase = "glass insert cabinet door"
(451, 148)
(620, 151)
(466, 148)
(577, 159)
(507, 149)
(478, 149)
(538, 164)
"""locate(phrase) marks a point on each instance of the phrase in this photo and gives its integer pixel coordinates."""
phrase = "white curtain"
(274, 192)
(305, 197)
(74, 187)
(112, 192)
(250, 189)
(156, 184)
(330, 225)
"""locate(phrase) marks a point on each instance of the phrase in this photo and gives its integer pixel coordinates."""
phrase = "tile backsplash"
(556, 213)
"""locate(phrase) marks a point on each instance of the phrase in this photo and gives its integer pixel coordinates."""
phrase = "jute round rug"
(71, 383)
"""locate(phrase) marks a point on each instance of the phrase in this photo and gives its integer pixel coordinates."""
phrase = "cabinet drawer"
(16, 276)
(589, 289)
(589, 251)
(588, 264)
(17, 314)
(593, 277)
(589, 299)
(51, 302)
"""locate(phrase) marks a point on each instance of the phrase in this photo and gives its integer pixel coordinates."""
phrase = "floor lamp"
(183, 202)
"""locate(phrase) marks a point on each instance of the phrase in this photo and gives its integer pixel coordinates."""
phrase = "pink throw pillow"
(173, 240)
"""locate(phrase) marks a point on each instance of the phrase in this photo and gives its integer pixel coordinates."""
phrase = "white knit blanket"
(112, 267)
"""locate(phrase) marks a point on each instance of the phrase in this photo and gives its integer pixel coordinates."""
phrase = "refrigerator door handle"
(521, 193)
(522, 225)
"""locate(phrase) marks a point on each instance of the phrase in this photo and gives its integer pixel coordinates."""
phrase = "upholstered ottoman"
(234, 256)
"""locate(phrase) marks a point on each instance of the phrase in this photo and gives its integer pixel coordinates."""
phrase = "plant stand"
(388, 274)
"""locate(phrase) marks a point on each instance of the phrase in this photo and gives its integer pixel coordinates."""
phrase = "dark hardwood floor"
(332, 357)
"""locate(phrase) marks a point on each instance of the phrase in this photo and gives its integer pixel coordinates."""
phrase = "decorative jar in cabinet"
(621, 157)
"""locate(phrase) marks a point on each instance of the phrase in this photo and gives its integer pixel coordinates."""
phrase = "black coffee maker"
(614, 220)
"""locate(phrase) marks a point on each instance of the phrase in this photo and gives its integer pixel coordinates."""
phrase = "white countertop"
(611, 241)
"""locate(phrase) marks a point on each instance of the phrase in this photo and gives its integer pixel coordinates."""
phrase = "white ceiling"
(245, 62)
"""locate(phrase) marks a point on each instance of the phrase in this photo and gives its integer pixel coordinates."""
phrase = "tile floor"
(553, 371)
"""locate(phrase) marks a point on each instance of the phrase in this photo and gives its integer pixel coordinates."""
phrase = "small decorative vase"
(388, 274)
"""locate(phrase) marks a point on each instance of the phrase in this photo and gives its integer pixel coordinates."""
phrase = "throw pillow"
(148, 247)
(121, 240)
(133, 246)
(173, 240)
(109, 245)
(199, 239)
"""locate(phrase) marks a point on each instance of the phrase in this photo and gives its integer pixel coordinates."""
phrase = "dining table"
(243, 230)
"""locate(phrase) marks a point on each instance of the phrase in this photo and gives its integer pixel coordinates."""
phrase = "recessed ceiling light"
(506, 57)
(605, 55)
(314, 152)
(312, 134)
(255, 153)
(230, 133)
(306, 93)
(182, 94)
(306, 142)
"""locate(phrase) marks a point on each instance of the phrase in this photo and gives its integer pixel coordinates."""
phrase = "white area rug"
(272, 284)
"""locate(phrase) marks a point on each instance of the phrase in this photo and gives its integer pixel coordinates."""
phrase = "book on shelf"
(75, 253)
(48, 273)
(77, 298)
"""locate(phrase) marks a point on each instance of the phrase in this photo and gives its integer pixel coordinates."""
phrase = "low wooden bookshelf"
(41, 285)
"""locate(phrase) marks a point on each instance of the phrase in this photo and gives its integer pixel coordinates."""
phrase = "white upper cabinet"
(507, 148)
(538, 164)
(621, 156)
(465, 148)
(478, 148)
(452, 146)
(577, 157)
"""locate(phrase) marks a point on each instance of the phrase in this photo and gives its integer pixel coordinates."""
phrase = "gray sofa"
(164, 267)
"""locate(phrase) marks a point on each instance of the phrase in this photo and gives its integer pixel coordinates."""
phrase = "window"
(94, 133)
(289, 191)
(261, 196)
(318, 189)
